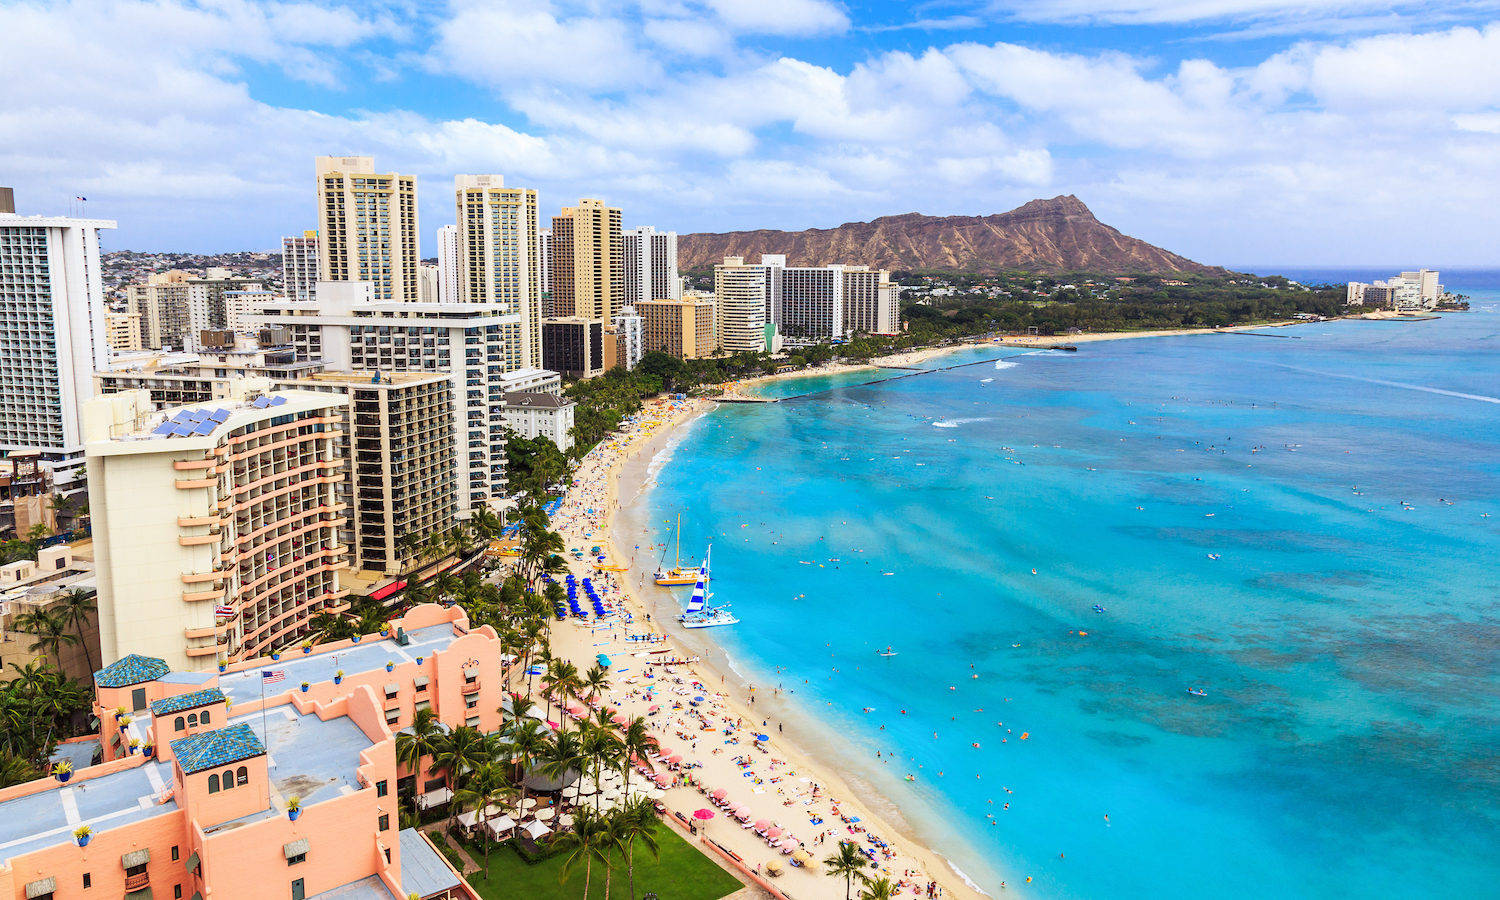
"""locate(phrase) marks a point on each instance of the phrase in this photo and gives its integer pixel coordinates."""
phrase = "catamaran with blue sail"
(698, 613)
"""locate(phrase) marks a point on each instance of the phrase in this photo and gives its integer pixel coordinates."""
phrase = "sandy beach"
(776, 782)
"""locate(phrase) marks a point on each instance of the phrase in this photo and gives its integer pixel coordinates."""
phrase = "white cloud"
(1153, 12)
(792, 18)
(694, 37)
(514, 42)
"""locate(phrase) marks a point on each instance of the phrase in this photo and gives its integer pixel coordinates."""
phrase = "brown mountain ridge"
(1056, 235)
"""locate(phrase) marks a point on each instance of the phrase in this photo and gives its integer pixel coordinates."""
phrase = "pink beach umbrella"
(718, 793)
(662, 780)
(703, 815)
(774, 833)
(762, 825)
(662, 751)
(674, 761)
(619, 719)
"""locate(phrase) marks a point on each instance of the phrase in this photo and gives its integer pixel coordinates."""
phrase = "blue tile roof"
(216, 748)
(170, 705)
(129, 670)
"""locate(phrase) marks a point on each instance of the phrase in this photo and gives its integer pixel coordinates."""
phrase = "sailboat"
(698, 613)
(678, 574)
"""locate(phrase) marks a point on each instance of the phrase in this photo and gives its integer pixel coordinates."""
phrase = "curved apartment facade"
(216, 525)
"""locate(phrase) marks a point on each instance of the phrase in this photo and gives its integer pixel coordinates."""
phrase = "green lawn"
(681, 873)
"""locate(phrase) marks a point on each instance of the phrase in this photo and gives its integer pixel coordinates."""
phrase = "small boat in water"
(1098, 608)
(678, 574)
(1197, 692)
(886, 652)
(698, 613)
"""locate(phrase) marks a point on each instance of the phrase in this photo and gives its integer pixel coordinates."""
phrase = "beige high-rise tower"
(498, 260)
(587, 273)
(368, 225)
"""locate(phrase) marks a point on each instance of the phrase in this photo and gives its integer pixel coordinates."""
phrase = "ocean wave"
(960, 873)
(954, 423)
(1007, 364)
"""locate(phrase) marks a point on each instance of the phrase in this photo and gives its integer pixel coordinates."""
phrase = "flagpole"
(265, 734)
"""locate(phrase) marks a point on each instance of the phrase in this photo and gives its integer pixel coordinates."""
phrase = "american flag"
(271, 676)
(224, 612)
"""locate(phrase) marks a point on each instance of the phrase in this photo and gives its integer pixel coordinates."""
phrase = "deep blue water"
(1294, 523)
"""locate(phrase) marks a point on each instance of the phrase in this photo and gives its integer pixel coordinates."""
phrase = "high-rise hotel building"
(299, 265)
(745, 298)
(367, 227)
(587, 262)
(448, 265)
(52, 337)
(216, 525)
(347, 331)
(499, 260)
(649, 265)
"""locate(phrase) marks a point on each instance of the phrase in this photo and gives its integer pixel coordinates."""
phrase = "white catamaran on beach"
(698, 613)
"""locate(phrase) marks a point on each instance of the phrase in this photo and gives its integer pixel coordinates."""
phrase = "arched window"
(228, 779)
(241, 776)
(204, 718)
(192, 718)
(213, 784)
(178, 723)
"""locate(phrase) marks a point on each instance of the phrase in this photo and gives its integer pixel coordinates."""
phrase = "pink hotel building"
(191, 800)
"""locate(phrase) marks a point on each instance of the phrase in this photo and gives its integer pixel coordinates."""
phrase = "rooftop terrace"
(366, 656)
(47, 818)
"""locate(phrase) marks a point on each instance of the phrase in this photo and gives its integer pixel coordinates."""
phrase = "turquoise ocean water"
(1295, 523)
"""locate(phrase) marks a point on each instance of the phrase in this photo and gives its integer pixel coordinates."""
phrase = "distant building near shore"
(1409, 290)
(299, 266)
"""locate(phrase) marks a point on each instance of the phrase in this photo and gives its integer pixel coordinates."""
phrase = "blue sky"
(1237, 132)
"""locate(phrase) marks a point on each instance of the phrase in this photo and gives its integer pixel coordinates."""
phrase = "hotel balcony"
(202, 577)
(137, 882)
(198, 540)
(470, 687)
(193, 483)
(198, 596)
(194, 521)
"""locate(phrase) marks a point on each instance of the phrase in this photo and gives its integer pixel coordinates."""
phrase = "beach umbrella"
(545, 813)
(565, 821)
(619, 719)
(773, 866)
(674, 761)
(718, 793)
(762, 824)
(789, 844)
(763, 737)
(773, 833)
(663, 751)
(661, 780)
(528, 803)
(587, 790)
(703, 815)
(801, 857)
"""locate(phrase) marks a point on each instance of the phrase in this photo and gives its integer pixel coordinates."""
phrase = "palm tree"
(419, 741)
(637, 742)
(556, 682)
(878, 889)
(489, 785)
(637, 821)
(564, 753)
(586, 840)
(848, 864)
(601, 748)
(529, 743)
(459, 753)
(50, 630)
(75, 606)
(595, 682)
(16, 769)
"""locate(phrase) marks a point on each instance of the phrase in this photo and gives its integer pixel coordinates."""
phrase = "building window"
(228, 779)
(192, 718)
(213, 783)
(385, 822)
(381, 789)
(176, 892)
(203, 719)
(175, 851)
(293, 860)
(88, 881)
(135, 870)
(241, 776)
(180, 723)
